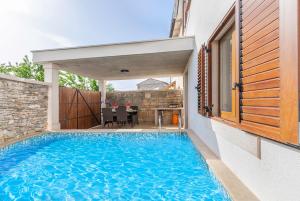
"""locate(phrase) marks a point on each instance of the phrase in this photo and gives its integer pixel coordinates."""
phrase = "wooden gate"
(79, 109)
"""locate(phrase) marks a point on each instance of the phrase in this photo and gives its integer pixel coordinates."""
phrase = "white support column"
(180, 83)
(51, 76)
(102, 89)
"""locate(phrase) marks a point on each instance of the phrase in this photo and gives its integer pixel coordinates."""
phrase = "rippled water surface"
(117, 166)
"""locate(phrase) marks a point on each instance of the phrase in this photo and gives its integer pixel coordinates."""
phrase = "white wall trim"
(111, 50)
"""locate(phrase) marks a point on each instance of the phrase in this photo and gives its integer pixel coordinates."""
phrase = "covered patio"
(123, 61)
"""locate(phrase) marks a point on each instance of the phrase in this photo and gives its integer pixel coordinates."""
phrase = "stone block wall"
(147, 100)
(23, 107)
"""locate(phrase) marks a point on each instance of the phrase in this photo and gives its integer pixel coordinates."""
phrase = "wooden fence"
(79, 109)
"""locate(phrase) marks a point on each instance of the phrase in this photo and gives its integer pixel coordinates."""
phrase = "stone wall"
(23, 107)
(147, 100)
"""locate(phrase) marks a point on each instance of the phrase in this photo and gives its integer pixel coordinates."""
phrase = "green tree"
(93, 85)
(110, 88)
(5, 69)
(26, 69)
(76, 81)
(67, 79)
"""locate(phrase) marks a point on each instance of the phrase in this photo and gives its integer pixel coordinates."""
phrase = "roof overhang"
(155, 58)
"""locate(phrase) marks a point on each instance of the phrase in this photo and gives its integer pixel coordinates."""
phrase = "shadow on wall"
(215, 133)
(205, 131)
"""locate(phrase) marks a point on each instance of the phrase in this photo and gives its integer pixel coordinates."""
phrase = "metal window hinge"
(236, 85)
(207, 49)
(208, 109)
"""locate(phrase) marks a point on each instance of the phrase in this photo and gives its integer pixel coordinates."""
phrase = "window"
(227, 70)
(263, 102)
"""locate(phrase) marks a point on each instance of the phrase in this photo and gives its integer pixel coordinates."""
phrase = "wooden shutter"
(260, 91)
(207, 80)
(260, 69)
(201, 80)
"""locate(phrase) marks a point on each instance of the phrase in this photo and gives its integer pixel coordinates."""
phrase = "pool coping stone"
(233, 185)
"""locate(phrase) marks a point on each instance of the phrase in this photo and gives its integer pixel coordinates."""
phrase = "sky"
(41, 24)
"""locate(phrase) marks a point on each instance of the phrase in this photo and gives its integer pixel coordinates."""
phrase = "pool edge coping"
(31, 135)
(20, 139)
(233, 185)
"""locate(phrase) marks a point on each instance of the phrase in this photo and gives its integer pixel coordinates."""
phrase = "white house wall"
(204, 18)
(269, 169)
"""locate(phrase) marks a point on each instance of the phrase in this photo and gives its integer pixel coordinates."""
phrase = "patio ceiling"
(156, 58)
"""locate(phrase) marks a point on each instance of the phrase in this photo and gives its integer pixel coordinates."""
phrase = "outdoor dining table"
(129, 111)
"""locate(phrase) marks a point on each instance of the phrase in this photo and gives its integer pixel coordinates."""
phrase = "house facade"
(241, 88)
(240, 64)
(151, 84)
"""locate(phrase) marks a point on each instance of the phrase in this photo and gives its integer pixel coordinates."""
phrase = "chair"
(108, 116)
(121, 115)
(135, 116)
(134, 107)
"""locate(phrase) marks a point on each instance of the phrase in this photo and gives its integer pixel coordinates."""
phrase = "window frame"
(230, 116)
(227, 23)
(288, 132)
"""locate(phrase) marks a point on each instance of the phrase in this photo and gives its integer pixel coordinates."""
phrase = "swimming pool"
(107, 166)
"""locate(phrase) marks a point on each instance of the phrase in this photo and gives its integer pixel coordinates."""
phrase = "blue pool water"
(118, 166)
